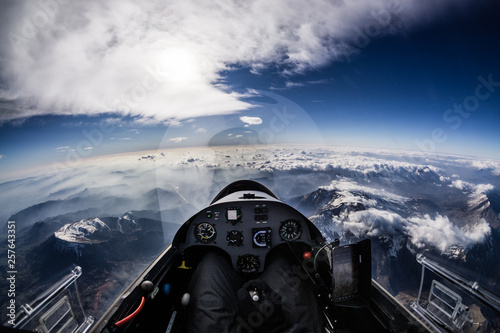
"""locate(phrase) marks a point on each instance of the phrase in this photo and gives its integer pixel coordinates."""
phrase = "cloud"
(201, 130)
(291, 84)
(162, 62)
(483, 188)
(375, 222)
(178, 139)
(251, 120)
(63, 149)
(458, 183)
(379, 212)
(346, 185)
(1, 156)
(423, 231)
(443, 234)
(471, 189)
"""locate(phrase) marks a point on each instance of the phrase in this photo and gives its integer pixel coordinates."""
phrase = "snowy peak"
(96, 230)
(126, 223)
(86, 231)
(310, 203)
(345, 200)
(480, 207)
(349, 211)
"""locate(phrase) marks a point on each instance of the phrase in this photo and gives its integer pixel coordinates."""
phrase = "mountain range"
(114, 216)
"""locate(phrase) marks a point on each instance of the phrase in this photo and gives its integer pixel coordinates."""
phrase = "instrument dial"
(248, 263)
(234, 238)
(233, 215)
(205, 233)
(290, 230)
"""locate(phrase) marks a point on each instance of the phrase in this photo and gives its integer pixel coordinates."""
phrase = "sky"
(84, 79)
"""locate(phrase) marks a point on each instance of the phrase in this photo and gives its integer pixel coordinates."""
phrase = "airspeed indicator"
(205, 233)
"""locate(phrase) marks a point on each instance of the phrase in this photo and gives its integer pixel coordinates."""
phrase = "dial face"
(290, 230)
(248, 263)
(234, 238)
(205, 233)
(233, 215)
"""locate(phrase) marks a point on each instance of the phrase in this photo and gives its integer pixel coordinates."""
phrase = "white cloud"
(162, 61)
(458, 183)
(201, 130)
(63, 149)
(346, 185)
(291, 84)
(178, 139)
(376, 222)
(483, 188)
(1, 156)
(471, 189)
(383, 212)
(423, 231)
(252, 92)
(443, 234)
(251, 120)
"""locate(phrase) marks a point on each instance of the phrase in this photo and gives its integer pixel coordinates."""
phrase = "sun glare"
(179, 66)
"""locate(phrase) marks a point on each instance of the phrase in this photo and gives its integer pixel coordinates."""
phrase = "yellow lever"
(183, 265)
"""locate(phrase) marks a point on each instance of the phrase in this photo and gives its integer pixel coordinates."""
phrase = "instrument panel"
(247, 230)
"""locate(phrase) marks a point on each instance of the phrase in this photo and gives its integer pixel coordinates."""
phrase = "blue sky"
(391, 77)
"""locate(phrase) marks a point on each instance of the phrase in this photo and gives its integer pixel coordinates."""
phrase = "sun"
(179, 66)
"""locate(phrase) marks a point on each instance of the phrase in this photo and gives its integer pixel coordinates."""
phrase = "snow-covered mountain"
(88, 231)
(108, 249)
(400, 227)
(407, 202)
(364, 212)
(75, 236)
